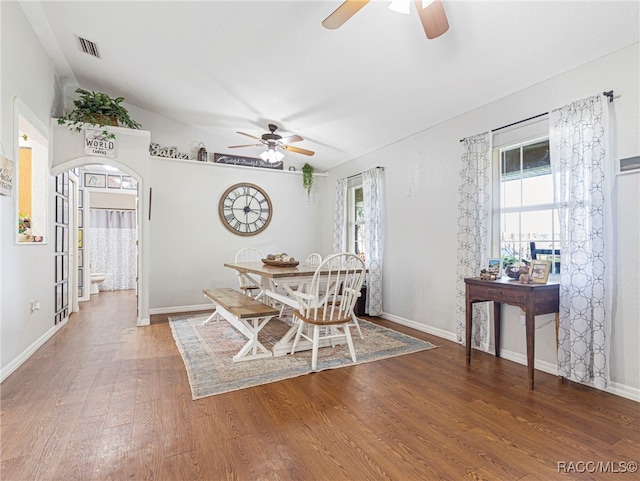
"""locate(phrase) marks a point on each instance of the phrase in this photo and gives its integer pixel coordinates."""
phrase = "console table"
(533, 299)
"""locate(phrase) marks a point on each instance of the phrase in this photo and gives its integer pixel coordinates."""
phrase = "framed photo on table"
(539, 271)
(494, 266)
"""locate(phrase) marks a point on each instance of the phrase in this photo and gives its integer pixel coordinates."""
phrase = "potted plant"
(97, 108)
(307, 177)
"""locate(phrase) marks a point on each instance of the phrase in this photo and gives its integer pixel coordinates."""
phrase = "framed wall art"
(95, 180)
(129, 183)
(114, 181)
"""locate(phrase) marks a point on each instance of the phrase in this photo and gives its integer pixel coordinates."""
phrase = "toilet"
(96, 278)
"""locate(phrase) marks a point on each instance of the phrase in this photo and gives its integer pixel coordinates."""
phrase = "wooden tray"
(270, 262)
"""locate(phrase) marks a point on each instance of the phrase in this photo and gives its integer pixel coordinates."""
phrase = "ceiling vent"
(89, 47)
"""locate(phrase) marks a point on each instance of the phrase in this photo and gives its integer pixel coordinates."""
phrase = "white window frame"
(353, 184)
(499, 210)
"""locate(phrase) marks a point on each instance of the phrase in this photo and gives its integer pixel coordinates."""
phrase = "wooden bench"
(247, 315)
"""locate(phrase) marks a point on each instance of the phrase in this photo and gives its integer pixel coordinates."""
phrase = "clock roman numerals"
(245, 209)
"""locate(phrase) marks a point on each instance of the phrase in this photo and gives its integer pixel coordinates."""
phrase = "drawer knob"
(494, 291)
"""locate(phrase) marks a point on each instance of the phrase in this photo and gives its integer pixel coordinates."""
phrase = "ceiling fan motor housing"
(272, 135)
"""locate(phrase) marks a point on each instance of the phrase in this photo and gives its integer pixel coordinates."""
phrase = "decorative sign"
(168, 152)
(246, 161)
(6, 175)
(97, 143)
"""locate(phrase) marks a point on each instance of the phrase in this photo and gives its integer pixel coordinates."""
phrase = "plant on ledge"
(97, 109)
(307, 177)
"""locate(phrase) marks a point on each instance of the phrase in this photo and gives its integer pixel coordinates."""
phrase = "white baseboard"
(174, 309)
(420, 327)
(615, 388)
(28, 352)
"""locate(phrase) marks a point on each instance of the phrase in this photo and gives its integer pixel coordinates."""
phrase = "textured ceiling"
(227, 66)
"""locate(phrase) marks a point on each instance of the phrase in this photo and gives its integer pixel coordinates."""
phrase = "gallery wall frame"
(95, 180)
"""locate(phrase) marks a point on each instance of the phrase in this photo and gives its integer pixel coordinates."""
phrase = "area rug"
(207, 352)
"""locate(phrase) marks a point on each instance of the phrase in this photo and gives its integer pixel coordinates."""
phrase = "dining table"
(278, 283)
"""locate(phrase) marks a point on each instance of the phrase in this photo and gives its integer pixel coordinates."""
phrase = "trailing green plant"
(307, 177)
(97, 108)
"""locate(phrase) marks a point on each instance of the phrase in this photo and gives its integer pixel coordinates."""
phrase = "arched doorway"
(105, 171)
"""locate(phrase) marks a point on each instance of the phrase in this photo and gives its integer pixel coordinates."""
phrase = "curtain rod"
(606, 94)
(356, 175)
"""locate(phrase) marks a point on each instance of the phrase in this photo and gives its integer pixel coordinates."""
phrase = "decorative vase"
(514, 271)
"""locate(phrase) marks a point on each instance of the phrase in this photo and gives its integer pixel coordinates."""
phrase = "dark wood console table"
(533, 299)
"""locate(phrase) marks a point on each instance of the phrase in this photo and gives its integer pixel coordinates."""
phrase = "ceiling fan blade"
(297, 150)
(249, 135)
(433, 18)
(291, 139)
(343, 13)
(248, 145)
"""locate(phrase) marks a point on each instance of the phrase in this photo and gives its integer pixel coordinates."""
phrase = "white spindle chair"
(328, 302)
(249, 284)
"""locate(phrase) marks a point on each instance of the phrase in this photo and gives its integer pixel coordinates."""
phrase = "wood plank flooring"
(105, 400)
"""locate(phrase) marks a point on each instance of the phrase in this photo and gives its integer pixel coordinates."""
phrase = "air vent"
(89, 47)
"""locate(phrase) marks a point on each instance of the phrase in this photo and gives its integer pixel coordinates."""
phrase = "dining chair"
(325, 307)
(249, 284)
(314, 259)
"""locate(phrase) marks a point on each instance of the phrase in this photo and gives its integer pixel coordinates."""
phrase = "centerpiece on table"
(280, 260)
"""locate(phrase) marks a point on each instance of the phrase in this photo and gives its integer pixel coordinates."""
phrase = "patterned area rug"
(207, 353)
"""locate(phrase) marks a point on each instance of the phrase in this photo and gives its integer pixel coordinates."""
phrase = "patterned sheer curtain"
(582, 163)
(112, 247)
(373, 238)
(340, 222)
(474, 209)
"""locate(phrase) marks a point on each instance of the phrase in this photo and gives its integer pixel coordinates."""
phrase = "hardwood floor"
(105, 400)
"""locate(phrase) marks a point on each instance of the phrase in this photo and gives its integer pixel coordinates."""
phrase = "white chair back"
(249, 254)
(249, 285)
(334, 289)
(314, 259)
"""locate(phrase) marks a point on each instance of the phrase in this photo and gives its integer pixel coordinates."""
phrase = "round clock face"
(245, 209)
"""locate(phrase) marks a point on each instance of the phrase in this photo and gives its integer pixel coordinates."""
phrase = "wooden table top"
(505, 281)
(301, 270)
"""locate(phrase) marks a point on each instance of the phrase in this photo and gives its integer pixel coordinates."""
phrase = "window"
(32, 177)
(355, 216)
(529, 225)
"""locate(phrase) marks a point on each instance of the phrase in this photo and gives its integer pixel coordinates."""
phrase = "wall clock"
(245, 209)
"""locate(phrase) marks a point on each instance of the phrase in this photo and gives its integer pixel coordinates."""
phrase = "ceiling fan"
(273, 142)
(431, 13)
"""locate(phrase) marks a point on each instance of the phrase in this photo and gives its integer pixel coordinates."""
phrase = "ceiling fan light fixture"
(272, 156)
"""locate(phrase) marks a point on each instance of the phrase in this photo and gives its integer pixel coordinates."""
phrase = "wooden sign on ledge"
(246, 161)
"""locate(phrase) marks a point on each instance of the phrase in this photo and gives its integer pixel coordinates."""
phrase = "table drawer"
(497, 293)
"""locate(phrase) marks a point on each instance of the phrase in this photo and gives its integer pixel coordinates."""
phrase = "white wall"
(422, 178)
(27, 270)
(189, 242)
